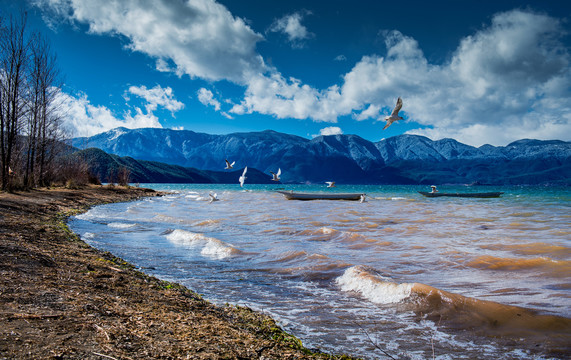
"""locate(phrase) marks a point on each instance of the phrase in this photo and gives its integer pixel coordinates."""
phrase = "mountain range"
(350, 159)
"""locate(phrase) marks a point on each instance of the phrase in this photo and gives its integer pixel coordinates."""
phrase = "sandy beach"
(62, 299)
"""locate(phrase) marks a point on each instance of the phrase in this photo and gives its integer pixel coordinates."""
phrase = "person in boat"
(434, 189)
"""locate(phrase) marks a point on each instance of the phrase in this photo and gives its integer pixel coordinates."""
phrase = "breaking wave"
(458, 311)
(373, 287)
(209, 247)
(118, 225)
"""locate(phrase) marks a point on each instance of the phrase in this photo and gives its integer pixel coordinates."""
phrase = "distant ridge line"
(403, 159)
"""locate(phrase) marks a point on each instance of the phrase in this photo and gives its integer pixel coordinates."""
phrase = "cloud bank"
(506, 81)
(198, 38)
(85, 119)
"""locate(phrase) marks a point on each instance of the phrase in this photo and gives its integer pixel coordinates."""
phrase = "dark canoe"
(470, 195)
(290, 195)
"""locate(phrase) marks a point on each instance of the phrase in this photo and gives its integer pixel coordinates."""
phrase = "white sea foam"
(209, 247)
(373, 287)
(88, 236)
(192, 195)
(200, 198)
(118, 225)
(91, 215)
(217, 249)
(183, 237)
(326, 230)
(85, 216)
(170, 219)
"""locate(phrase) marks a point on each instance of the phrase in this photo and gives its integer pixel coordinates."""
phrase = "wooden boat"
(470, 195)
(290, 195)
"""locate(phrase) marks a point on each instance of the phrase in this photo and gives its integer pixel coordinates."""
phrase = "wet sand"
(62, 299)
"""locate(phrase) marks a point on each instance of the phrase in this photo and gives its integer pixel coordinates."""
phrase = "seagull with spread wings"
(243, 177)
(276, 177)
(228, 165)
(213, 197)
(330, 184)
(394, 115)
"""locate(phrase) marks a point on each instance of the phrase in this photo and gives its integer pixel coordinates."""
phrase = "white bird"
(363, 199)
(213, 197)
(330, 184)
(394, 115)
(228, 165)
(243, 177)
(276, 177)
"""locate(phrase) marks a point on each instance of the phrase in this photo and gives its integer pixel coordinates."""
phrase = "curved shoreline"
(61, 298)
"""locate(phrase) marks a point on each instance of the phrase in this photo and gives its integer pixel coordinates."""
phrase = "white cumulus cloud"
(81, 118)
(291, 26)
(199, 38)
(289, 98)
(331, 130)
(206, 97)
(372, 111)
(157, 96)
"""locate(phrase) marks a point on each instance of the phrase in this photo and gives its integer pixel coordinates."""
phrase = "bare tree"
(13, 61)
(44, 131)
(33, 115)
(31, 135)
(123, 176)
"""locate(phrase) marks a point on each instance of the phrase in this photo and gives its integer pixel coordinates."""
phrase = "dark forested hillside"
(106, 167)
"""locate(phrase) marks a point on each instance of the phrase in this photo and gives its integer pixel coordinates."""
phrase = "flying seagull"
(228, 165)
(394, 115)
(213, 197)
(276, 177)
(330, 184)
(243, 177)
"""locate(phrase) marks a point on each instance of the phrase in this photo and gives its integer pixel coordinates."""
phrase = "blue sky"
(476, 71)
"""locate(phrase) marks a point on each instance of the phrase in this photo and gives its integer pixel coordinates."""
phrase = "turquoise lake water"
(449, 278)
